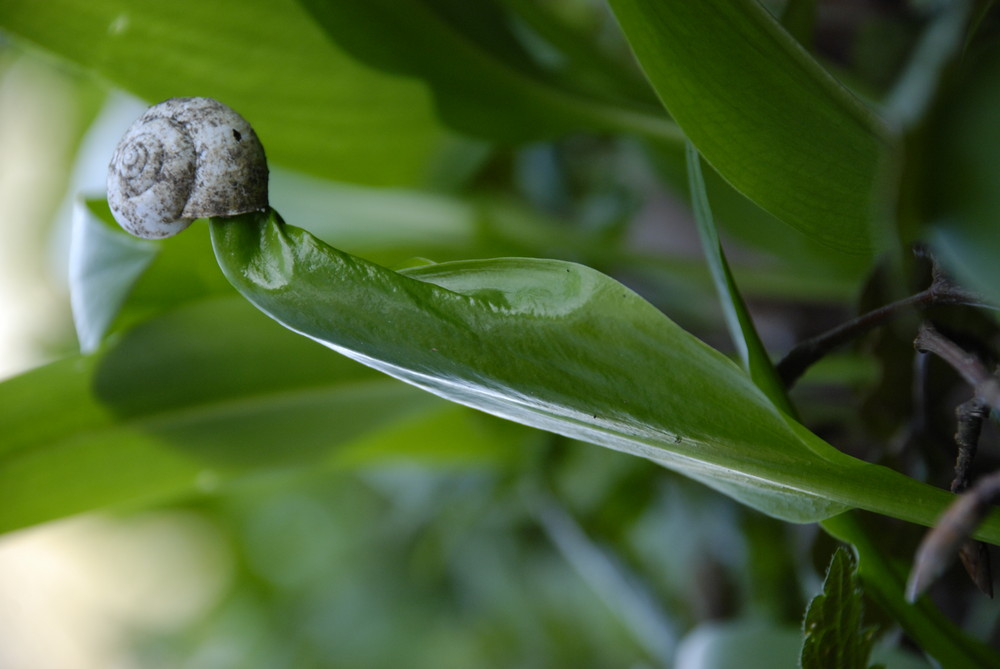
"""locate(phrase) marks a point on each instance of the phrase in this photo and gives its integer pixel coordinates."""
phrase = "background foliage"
(357, 521)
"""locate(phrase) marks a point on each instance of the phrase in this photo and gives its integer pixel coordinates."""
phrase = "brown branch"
(970, 416)
(953, 531)
(940, 292)
(985, 385)
(951, 534)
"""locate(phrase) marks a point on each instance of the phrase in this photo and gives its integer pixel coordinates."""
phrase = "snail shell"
(183, 159)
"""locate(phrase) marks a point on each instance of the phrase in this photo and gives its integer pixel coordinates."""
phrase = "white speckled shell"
(183, 159)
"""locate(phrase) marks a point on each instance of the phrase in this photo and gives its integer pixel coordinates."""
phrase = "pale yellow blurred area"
(73, 593)
(38, 120)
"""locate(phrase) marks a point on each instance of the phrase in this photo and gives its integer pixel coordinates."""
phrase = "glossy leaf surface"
(564, 348)
(192, 399)
(765, 115)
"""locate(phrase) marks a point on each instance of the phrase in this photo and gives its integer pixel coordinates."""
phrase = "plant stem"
(799, 359)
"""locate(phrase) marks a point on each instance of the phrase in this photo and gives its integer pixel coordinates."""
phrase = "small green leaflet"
(833, 626)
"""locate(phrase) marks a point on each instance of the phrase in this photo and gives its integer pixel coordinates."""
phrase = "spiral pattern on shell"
(183, 159)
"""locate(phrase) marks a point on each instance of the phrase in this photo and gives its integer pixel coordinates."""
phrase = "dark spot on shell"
(237, 135)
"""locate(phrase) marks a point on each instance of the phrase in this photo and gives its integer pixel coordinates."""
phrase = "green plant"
(828, 186)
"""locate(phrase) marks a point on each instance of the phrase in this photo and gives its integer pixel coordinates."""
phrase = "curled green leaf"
(564, 348)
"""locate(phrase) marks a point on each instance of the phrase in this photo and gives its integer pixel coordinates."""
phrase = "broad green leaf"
(765, 115)
(315, 109)
(834, 632)
(799, 263)
(749, 347)
(483, 81)
(188, 401)
(561, 347)
(390, 226)
(799, 19)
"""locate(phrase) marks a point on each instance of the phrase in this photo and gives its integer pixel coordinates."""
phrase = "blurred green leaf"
(744, 335)
(189, 400)
(577, 33)
(981, 10)
(104, 264)
(833, 626)
(182, 269)
(753, 644)
(962, 180)
(739, 645)
(381, 221)
(765, 115)
(314, 108)
(412, 568)
(915, 88)
(799, 19)
(561, 347)
(484, 82)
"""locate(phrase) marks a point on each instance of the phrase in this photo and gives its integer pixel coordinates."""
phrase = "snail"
(185, 158)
